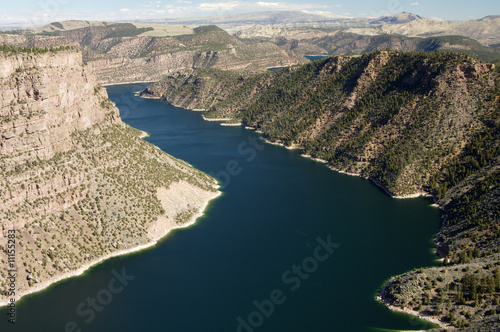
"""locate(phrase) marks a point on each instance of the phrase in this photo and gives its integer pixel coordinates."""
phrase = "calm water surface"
(316, 57)
(254, 261)
(310, 57)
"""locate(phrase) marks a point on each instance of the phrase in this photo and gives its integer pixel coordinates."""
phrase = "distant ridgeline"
(123, 52)
(415, 123)
(340, 42)
(10, 49)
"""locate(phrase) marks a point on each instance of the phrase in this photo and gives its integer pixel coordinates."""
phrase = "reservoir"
(290, 245)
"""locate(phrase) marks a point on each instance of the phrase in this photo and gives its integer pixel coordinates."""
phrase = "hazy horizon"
(44, 12)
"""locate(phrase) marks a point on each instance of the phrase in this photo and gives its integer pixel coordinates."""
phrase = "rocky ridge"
(357, 41)
(122, 52)
(484, 30)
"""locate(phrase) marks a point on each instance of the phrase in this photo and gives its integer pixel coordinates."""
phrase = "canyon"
(78, 185)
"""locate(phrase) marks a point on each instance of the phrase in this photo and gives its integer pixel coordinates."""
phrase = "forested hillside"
(414, 123)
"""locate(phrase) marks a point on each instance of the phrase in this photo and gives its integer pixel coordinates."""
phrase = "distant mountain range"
(257, 24)
(485, 30)
(147, 50)
(235, 22)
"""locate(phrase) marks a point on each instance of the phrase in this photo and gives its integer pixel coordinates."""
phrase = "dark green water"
(316, 57)
(310, 57)
(243, 249)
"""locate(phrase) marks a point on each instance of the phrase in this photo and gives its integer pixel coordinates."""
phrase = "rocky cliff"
(122, 52)
(78, 185)
(43, 41)
(119, 70)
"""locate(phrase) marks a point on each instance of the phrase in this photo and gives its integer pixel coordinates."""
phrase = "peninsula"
(78, 185)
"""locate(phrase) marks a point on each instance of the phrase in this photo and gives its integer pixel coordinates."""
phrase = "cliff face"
(40, 112)
(78, 185)
(154, 68)
(123, 69)
(119, 53)
(35, 41)
(45, 98)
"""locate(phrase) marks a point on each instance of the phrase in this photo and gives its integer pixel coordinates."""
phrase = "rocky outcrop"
(123, 69)
(20, 40)
(429, 293)
(118, 70)
(72, 188)
(38, 112)
(119, 53)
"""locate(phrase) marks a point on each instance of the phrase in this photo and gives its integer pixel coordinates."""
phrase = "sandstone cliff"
(122, 52)
(78, 185)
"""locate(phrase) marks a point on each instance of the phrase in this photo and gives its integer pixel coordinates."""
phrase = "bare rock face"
(41, 41)
(44, 99)
(124, 69)
(154, 68)
(78, 185)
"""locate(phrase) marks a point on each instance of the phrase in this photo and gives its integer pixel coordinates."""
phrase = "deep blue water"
(257, 260)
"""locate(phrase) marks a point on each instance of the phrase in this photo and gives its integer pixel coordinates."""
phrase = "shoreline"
(153, 241)
(280, 144)
(415, 195)
(151, 97)
(429, 319)
(234, 124)
(277, 67)
(210, 119)
(391, 307)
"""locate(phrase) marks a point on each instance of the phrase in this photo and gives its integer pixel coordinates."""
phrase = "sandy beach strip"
(233, 124)
(215, 119)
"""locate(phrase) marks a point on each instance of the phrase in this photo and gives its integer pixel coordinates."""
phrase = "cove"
(290, 245)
